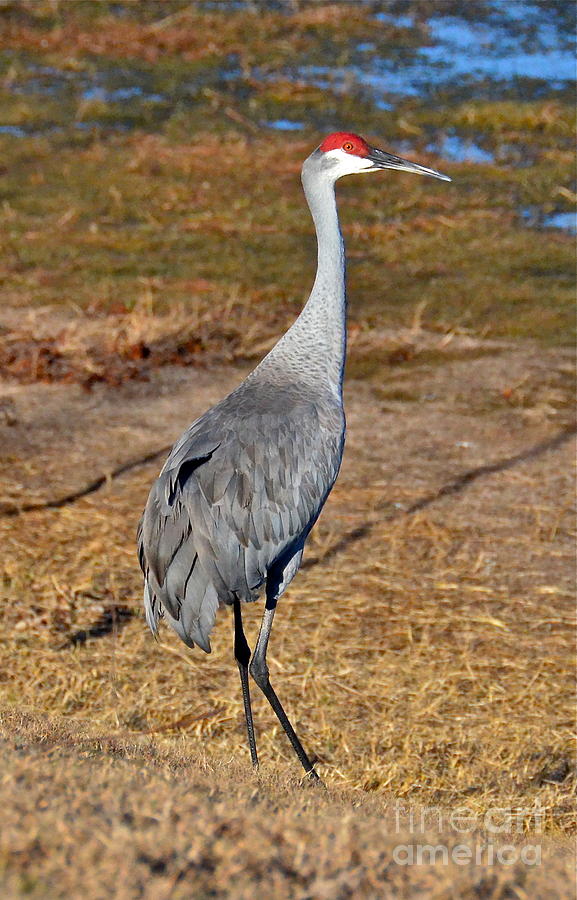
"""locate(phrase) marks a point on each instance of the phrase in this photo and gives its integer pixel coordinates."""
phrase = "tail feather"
(191, 616)
(151, 608)
(198, 611)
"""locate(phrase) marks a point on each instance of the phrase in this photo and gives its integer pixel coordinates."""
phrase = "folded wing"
(233, 505)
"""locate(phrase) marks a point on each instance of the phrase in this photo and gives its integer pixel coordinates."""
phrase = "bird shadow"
(116, 617)
(111, 620)
(456, 486)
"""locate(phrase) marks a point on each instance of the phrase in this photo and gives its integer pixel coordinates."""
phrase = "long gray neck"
(314, 348)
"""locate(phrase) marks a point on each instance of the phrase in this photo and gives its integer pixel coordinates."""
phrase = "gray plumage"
(235, 502)
(231, 510)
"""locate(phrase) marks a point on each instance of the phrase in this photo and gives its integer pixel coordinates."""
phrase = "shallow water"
(495, 50)
(512, 49)
(535, 218)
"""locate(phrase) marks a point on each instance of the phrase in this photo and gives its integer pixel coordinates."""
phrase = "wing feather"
(234, 502)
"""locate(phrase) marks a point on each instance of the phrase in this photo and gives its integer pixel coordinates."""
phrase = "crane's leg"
(259, 671)
(242, 656)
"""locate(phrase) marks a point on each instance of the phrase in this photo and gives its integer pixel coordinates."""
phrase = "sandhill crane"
(231, 510)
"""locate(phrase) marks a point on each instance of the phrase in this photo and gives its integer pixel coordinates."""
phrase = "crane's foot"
(311, 779)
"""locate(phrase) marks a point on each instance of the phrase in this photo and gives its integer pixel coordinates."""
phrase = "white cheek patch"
(337, 155)
(347, 163)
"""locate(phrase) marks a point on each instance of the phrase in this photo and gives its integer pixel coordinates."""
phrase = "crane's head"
(343, 153)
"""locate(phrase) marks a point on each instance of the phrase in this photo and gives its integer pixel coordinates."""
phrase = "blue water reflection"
(464, 48)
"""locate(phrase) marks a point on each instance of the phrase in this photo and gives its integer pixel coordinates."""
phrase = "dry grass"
(103, 226)
(424, 657)
(87, 814)
(93, 346)
(89, 348)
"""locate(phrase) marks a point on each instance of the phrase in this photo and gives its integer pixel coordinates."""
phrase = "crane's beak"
(383, 160)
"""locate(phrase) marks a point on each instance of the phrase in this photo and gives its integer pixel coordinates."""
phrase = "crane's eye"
(348, 146)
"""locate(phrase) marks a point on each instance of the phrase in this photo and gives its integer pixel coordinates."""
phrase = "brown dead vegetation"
(87, 814)
(124, 345)
(427, 654)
